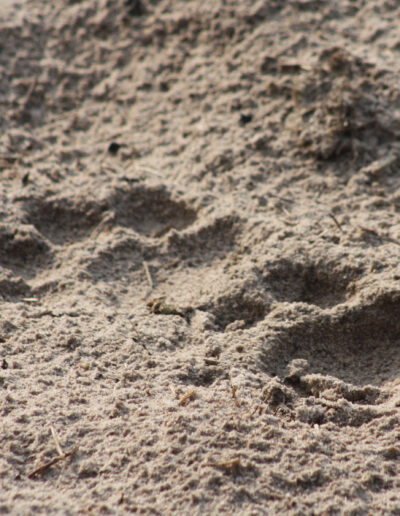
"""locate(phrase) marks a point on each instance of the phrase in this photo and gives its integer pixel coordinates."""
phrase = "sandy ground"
(199, 257)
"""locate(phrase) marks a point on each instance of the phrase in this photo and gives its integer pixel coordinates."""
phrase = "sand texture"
(199, 257)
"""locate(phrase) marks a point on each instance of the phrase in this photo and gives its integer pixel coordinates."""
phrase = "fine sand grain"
(199, 257)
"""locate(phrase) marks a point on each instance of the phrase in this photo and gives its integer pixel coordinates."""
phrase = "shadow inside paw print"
(357, 344)
(314, 284)
(150, 211)
(64, 221)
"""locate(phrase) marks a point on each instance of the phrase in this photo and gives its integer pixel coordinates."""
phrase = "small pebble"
(245, 119)
(113, 148)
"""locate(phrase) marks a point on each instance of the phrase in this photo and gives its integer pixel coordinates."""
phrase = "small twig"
(139, 341)
(335, 220)
(234, 390)
(370, 230)
(211, 361)
(188, 396)
(30, 92)
(104, 225)
(148, 275)
(290, 222)
(284, 199)
(233, 464)
(146, 168)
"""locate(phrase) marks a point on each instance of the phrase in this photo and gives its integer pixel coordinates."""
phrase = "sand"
(199, 257)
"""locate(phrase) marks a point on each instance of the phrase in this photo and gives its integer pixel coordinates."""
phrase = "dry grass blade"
(57, 442)
(173, 391)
